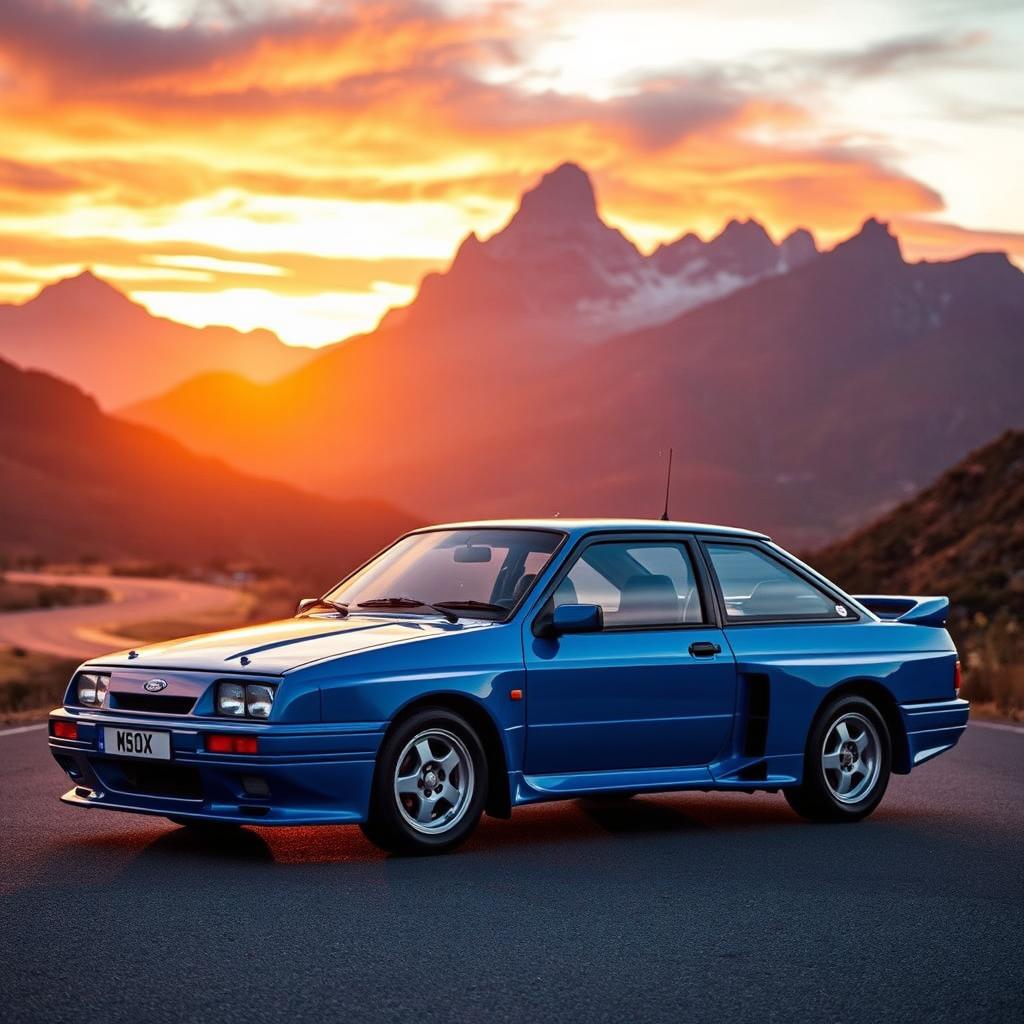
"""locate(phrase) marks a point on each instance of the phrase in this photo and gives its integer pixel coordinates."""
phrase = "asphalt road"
(86, 630)
(677, 908)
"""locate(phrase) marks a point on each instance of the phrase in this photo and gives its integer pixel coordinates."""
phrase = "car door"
(656, 687)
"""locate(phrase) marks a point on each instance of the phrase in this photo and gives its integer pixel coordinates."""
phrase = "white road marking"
(998, 725)
(22, 728)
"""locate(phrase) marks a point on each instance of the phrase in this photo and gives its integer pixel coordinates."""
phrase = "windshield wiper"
(407, 602)
(472, 606)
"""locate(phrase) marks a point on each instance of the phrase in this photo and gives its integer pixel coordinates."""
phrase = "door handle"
(704, 649)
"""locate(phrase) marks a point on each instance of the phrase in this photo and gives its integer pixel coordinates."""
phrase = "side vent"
(757, 694)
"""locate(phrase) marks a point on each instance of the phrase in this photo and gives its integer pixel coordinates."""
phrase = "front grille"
(173, 780)
(155, 704)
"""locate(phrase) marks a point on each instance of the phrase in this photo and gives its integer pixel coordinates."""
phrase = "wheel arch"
(499, 800)
(880, 696)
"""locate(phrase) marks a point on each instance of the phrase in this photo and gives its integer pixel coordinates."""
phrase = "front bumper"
(933, 727)
(304, 774)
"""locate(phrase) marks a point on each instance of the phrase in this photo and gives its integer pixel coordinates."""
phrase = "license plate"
(137, 743)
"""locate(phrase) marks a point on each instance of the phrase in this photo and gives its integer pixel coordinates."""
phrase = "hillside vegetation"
(963, 536)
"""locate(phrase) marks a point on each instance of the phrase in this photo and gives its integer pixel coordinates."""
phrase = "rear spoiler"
(919, 611)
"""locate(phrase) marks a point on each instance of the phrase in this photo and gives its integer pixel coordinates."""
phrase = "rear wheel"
(430, 784)
(846, 764)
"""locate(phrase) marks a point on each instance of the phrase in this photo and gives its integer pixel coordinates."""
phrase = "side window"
(755, 585)
(635, 583)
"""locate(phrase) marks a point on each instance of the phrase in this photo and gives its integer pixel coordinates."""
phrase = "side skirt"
(724, 776)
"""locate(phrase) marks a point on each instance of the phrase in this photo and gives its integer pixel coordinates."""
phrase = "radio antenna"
(668, 486)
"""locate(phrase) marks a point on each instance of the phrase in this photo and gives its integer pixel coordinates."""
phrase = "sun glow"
(312, 320)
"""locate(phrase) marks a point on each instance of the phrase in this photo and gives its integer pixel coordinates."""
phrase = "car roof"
(582, 526)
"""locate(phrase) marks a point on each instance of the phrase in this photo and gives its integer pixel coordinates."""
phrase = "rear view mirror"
(304, 604)
(577, 618)
(473, 553)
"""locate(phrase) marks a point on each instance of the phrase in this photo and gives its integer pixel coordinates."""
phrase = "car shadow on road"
(602, 819)
(566, 823)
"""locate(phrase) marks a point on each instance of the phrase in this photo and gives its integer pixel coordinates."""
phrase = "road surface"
(683, 908)
(86, 630)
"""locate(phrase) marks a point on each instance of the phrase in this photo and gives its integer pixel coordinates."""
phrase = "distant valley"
(78, 484)
(84, 330)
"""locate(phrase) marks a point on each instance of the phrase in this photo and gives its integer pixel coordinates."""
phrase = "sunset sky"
(300, 165)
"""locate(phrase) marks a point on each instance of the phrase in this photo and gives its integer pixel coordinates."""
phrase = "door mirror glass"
(577, 618)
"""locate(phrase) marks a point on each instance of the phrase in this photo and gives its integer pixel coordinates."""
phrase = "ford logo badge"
(155, 685)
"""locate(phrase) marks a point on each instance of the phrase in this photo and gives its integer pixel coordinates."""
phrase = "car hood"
(274, 648)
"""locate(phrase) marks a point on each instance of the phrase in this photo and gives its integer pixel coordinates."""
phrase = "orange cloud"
(260, 141)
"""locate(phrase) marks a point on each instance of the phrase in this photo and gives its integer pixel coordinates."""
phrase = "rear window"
(756, 585)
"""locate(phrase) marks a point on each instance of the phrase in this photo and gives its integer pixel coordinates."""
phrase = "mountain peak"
(566, 193)
(85, 286)
(741, 230)
(797, 247)
(874, 241)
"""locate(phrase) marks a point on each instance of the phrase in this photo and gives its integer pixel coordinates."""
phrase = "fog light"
(65, 730)
(219, 743)
(230, 699)
(255, 786)
(259, 700)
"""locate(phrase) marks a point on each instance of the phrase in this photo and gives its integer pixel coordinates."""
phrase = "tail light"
(956, 677)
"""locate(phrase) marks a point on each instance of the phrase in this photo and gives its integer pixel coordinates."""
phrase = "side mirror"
(577, 618)
(305, 603)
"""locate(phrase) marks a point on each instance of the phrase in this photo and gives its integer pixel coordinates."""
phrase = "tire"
(847, 763)
(435, 752)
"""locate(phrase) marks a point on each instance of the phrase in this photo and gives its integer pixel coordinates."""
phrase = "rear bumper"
(307, 774)
(933, 727)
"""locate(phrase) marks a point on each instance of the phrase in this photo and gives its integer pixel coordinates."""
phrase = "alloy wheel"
(851, 757)
(434, 781)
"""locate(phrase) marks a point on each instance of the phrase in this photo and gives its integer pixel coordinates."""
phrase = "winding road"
(684, 909)
(83, 631)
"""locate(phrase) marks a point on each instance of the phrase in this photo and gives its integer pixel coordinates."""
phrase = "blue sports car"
(478, 666)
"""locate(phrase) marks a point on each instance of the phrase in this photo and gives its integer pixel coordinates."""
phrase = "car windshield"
(481, 573)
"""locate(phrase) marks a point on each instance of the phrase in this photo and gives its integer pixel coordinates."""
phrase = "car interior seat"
(649, 597)
(522, 585)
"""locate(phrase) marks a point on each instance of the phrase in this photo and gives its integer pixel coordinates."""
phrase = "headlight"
(230, 699)
(92, 688)
(259, 700)
(253, 699)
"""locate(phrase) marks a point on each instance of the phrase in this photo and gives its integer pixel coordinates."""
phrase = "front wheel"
(430, 784)
(846, 764)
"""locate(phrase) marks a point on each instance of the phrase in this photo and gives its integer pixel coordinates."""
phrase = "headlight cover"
(259, 699)
(230, 699)
(91, 688)
(252, 700)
